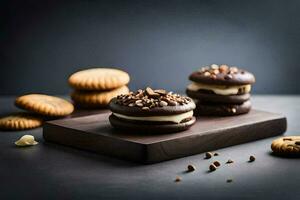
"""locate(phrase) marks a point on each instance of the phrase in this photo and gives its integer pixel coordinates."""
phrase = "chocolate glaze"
(215, 109)
(238, 77)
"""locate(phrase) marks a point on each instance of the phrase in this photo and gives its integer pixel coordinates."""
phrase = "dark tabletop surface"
(49, 171)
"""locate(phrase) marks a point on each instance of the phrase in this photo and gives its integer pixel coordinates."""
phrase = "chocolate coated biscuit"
(215, 109)
(152, 104)
(143, 104)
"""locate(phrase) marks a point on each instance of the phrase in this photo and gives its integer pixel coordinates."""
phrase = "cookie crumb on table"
(251, 159)
(191, 168)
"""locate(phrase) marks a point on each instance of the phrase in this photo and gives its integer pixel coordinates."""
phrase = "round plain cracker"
(45, 105)
(20, 121)
(94, 99)
(98, 79)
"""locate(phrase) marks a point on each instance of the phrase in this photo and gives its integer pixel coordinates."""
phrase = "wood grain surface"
(94, 133)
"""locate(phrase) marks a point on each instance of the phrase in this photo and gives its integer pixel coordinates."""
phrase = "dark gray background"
(158, 42)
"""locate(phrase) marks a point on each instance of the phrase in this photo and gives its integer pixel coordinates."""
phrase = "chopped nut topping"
(149, 98)
(214, 70)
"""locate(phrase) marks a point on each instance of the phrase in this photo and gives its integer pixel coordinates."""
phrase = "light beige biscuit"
(20, 121)
(98, 79)
(93, 99)
(45, 105)
(289, 145)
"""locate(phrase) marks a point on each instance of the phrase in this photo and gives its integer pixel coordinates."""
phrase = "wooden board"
(94, 133)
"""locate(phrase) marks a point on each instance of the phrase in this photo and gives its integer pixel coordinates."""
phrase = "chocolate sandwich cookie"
(217, 109)
(152, 111)
(221, 84)
(219, 88)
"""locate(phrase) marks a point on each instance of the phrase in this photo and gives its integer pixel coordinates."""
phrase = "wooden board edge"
(163, 151)
(121, 148)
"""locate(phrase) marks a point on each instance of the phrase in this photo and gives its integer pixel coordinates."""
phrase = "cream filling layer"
(168, 118)
(220, 89)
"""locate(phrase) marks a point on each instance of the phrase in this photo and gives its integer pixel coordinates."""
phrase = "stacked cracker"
(38, 107)
(94, 88)
(221, 90)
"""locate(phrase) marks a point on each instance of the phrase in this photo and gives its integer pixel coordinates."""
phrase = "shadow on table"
(88, 155)
(283, 156)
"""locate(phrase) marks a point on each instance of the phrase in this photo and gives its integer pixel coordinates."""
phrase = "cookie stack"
(94, 88)
(38, 107)
(221, 90)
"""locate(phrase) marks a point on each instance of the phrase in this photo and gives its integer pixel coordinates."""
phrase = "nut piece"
(216, 71)
(233, 69)
(161, 91)
(139, 104)
(229, 161)
(151, 93)
(223, 68)
(177, 179)
(251, 159)
(214, 66)
(217, 163)
(206, 74)
(163, 103)
(26, 140)
(212, 167)
(208, 155)
(191, 168)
